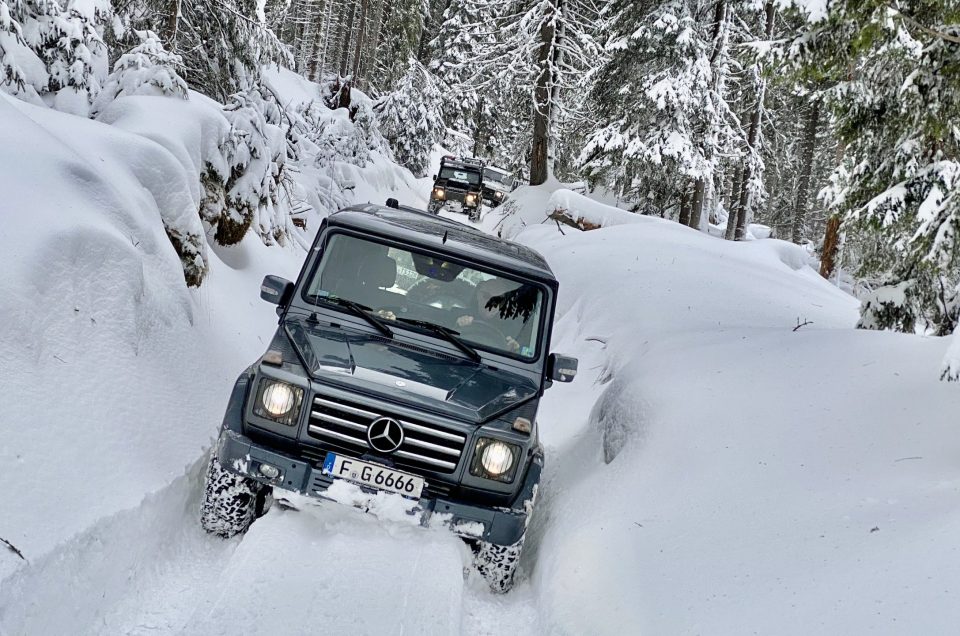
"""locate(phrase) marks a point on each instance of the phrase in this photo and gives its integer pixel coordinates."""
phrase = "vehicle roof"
(459, 163)
(428, 230)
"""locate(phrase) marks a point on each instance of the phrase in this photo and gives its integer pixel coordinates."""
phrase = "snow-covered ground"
(733, 458)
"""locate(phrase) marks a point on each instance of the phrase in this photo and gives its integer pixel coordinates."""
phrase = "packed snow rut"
(153, 570)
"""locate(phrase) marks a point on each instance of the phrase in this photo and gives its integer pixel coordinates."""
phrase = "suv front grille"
(425, 446)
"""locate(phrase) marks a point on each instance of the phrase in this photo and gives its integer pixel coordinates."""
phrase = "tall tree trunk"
(697, 208)
(743, 201)
(480, 128)
(684, 218)
(364, 6)
(314, 64)
(539, 161)
(809, 146)
(325, 34)
(831, 236)
(719, 38)
(347, 37)
(173, 19)
(831, 243)
(729, 232)
(373, 43)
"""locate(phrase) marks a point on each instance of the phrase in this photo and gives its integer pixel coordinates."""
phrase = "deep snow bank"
(115, 372)
(762, 478)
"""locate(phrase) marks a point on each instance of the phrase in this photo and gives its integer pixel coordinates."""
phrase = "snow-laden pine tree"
(47, 50)
(896, 100)
(665, 120)
(748, 189)
(411, 118)
(461, 37)
(244, 193)
(401, 30)
(148, 69)
(22, 73)
(543, 49)
(223, 43)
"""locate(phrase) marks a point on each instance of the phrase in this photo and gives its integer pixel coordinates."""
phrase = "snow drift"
(751, 463)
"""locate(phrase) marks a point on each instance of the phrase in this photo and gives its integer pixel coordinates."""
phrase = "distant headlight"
(493, 459)
(496, 195)
(278, 401)
(439, 194)
(470, 199)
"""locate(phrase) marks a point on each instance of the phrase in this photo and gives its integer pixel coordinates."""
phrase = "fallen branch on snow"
(13, 548)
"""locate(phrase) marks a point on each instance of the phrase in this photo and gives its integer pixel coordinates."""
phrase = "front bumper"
(457, 200)
(503, 526)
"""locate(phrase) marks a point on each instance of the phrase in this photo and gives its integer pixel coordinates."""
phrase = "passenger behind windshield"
(486, 310)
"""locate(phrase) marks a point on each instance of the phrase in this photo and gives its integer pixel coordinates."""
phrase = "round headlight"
(278, 399)
(499, 195)
(496, 458)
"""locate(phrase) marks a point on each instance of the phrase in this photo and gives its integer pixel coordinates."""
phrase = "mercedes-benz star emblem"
(385, 435)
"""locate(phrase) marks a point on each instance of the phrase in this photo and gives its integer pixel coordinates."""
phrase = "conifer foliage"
(46, 50)
(895, 99)
(411, 118)
(148, 69)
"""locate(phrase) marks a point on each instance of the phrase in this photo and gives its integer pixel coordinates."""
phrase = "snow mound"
(121, 371)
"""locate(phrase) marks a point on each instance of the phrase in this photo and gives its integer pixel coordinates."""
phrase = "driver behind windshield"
(498, 315)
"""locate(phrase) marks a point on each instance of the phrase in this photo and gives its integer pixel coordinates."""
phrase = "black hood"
(407, 374)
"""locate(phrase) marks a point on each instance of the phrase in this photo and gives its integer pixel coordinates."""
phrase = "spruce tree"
(411, 118)
(895, 99)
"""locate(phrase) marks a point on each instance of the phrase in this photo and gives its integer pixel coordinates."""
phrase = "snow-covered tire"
(434, 207)
(498, 563)
(230, 502)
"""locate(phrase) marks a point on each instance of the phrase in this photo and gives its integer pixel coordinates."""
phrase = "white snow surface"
(733, 457)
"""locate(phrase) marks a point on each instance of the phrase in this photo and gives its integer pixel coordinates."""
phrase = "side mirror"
(561, 368)
(434, 177)
(276, 290)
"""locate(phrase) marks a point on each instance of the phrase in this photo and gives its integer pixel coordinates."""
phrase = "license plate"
(373, 475)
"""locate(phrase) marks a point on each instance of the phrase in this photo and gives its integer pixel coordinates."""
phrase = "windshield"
(499, 177)
(401, 287)
(459, 174)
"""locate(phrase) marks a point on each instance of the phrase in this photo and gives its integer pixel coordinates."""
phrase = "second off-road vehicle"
(458, 186)
(497, 184)
(409, 361)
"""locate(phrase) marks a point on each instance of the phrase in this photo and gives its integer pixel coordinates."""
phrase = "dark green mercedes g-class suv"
(410, 358)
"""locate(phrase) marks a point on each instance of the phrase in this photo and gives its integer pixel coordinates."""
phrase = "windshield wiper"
(449, 334)
(360, 310)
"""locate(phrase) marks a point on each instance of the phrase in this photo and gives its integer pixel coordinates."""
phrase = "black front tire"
(434, 207)
(498, 563)
(230, 502)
